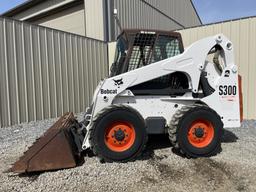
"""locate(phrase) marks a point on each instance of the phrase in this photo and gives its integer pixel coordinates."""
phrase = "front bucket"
(56, 149)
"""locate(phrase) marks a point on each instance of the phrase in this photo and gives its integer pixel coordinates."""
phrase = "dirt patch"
(167, 171)
(219, 174)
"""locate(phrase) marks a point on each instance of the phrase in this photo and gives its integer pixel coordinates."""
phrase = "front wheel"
(196, 131)
(118, 134)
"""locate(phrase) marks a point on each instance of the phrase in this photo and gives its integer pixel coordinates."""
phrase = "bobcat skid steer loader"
(155, 87)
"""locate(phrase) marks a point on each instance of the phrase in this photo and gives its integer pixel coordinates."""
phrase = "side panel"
(225, 99)
(154, 106)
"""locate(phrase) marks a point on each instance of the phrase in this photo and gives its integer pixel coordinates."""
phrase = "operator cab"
(138, 48)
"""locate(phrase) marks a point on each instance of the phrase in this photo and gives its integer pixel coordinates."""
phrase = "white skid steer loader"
(155, 87)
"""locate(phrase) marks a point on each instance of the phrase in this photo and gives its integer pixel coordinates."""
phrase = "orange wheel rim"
(119, 136)
(201, 133)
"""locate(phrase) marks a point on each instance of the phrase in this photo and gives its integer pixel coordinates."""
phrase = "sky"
(6, 5)
(220, 10)
(209, 10)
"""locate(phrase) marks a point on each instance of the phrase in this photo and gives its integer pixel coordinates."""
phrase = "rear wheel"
(200, 133)
(118, 134)
(196, 131)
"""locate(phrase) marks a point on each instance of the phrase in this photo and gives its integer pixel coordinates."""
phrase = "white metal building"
(94, 18)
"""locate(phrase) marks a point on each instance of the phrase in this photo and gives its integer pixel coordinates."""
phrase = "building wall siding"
(138, 14)
(181, 10)
(94, 19)
(242, 34)
(46, 72)
(70, 20)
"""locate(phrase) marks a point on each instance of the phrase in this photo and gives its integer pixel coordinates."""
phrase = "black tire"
(117, 113)
(181, 124)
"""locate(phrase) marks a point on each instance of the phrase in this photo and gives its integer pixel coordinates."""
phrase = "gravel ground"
(160, 169)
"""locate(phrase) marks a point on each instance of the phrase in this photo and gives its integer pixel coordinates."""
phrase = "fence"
(46, 72)
(242, 33)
